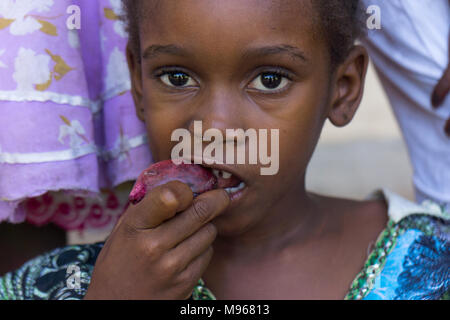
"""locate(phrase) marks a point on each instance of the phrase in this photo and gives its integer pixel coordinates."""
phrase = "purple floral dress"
(69, 134)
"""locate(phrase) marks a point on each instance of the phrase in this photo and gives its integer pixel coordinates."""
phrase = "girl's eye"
(269, 81)
(177, 79)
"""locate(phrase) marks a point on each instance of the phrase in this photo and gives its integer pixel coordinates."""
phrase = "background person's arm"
(441, 90)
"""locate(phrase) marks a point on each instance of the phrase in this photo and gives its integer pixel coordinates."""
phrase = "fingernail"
(168, 197)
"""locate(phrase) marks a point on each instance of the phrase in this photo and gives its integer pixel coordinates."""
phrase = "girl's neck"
(295, 218)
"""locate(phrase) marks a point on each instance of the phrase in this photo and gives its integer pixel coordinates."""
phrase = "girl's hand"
(155, 253)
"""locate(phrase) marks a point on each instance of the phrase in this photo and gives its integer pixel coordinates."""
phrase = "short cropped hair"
(340, 21)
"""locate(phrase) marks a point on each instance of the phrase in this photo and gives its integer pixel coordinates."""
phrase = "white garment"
(410, 53)
(399, 207)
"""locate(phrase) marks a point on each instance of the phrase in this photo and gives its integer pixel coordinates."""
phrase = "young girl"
(286, 65)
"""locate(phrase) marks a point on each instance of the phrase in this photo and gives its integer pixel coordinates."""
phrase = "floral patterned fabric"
(80, 213)
(68, 126)
(410, 260)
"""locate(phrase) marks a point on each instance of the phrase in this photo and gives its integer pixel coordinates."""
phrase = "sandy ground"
(353, 161)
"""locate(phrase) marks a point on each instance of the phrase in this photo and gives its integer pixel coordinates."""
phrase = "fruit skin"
(199, 179)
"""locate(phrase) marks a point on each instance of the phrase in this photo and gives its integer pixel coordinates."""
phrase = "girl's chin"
(230, 227)
(236, 220)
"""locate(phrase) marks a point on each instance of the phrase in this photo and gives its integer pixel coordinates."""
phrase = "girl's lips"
(237, 196)
(235, 185)
(230, 182)
(225, 179)
(235, 177)
(212, 165)
(239, 187)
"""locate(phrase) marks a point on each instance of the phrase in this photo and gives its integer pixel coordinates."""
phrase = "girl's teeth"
(235, 189)
(222, 174)
(226, 175)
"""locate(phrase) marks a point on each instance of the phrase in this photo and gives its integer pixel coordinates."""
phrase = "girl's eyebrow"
(294, 52)
(157, 49)
(172, 49)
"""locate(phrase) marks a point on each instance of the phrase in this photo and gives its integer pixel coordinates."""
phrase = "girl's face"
(232, 64)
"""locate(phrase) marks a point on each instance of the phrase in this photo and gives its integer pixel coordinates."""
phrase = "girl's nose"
(221, 110)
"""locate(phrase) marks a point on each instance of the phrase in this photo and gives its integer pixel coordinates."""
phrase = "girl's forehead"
(230, 21)
(271, 6)
(171, 16)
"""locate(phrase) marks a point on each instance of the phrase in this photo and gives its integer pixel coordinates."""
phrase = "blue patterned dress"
(410, 260)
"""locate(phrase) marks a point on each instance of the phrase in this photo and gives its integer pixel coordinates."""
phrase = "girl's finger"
(204, 208)
(187, 251)
(159, 205)
(194, 271)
